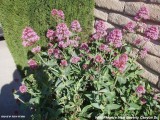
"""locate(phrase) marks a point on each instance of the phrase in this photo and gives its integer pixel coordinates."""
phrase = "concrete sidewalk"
(9, 79)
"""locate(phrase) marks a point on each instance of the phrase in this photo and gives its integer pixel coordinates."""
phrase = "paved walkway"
(9, 79)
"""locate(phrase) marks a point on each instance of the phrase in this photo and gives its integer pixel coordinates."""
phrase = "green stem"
(42, 59)
(46, 64)
(53, 69)
(21, 100)
(115, 84)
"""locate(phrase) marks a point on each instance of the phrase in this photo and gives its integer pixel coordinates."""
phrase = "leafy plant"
(80, 81)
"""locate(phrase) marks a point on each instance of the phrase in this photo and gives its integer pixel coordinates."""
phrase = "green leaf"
(104, 91)
(34, 100)
(110, 83)
(83, 113)
(67, 71)
(60, 86)
(112, 106)
(110, 96)
(124, 99)
(134, 106)
(100, 117)
(121, 80)
(128, 49)
(58, 82)
(51, 63)
(89, 96)
(69, 83)
(96, 105)
(44, 53)
(139, 72)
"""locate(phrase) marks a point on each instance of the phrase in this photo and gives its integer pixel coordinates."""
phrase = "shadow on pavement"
(10, 107)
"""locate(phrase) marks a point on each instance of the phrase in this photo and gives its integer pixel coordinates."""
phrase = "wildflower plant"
(80, 81)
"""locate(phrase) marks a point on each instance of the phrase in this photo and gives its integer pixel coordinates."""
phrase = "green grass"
(16, 14)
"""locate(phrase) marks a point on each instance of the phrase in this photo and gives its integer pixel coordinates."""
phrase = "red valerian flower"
(50, 34)
(36, 49)
(101, 28)
(143, 101)
(140, 90)
(75, 60)
(152, 32)
(121, 62)
(57, 13)
(115, 37)
(84, 46)
(104, 48)
(143, 13)
(137, 41)
(143, 52)
(75, 26)
(99, 59)
(29, 37)
(64, 63)
(32, 64)
(23, 88)
(62, 31)
(130, 27)
(50, 51)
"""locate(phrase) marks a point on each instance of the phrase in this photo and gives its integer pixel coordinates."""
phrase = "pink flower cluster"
(130, 27)
(143, 52)
(51, 34)
(155, 97)
(50, 45)
(137, 41)
(143, 101)
(85, 66)
(104, 47)
(50, 51)
(32, 64)
(64, 63)
(143, 13)
(140, 90)
(23, 88)
(115, 37)
(36, 49)
(73, 43)
(101, 28)
(152, 32)
(57, 13)
(62, 31)
(99, 59)
(121, 62)
(75, 26)
(56, 52)
(29, 37)
(62, 44)
(84, 46)
(75, 60)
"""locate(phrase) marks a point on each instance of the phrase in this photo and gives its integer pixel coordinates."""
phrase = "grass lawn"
(15, 15)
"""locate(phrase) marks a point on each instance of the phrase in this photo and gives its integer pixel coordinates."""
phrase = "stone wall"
(117, 13)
